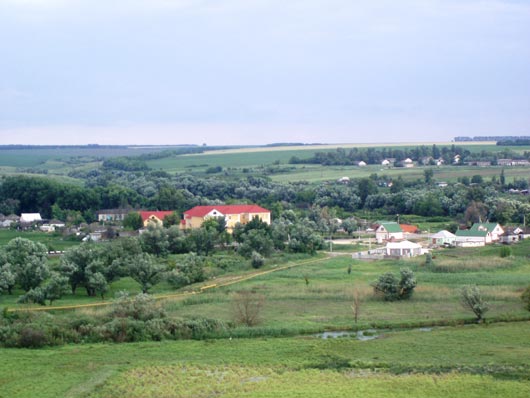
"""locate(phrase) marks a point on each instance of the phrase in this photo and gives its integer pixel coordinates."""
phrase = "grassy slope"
(289, 364)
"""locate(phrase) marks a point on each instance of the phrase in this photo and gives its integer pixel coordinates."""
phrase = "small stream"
(361, 335)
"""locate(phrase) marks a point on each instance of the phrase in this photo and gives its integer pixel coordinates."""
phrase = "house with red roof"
(156, 217)
(232, 214)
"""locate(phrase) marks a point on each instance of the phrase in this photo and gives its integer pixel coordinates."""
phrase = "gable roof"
(488, 226)
(470, 232)
(405, 244)
(201, 211)
(391, 227)
(158, 214)
(443, 234)
(30, 217)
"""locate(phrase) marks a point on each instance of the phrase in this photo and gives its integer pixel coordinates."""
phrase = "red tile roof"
(158, 214)
(411, 229)
(201, 211)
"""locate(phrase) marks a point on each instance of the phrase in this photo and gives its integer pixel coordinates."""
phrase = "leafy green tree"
(74, 265)
(477, 179)
(256, 240)
(188, 270)
(428, 174)
(171, 219)
(29, 262)
(471, 299)
(202, 240)
(154, 241)
(133, 221)
(97, 284)
(146, 271)
(7, 278)
(177, 241)
(52, 290)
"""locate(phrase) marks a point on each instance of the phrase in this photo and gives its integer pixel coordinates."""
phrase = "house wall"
(231, 220)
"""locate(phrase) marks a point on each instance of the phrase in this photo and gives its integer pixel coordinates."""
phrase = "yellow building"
(232, 214)
(154, 217)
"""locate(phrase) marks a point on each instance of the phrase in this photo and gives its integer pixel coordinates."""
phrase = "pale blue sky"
(255, 72)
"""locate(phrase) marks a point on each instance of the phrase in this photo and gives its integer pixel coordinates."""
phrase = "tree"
(171, 219)
(144, 270)
(477, 179)
(247, 307)
(53, 290)
(391, 288)
(189, 270)
(471, 299)
(133, 221)
(74, 265)
(97, 284)
(428, 174)
(256, 240)
(7, 278)
(28, 261)
(154, 240)
(202, 240)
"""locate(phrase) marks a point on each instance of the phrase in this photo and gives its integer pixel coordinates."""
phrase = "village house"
(443, 238)
(514, 234)
(233, 214)
(112, 214)
(408, 162)
(493, 228)
(388, 231)
(472, 238)
(154, 217)
(29, 218)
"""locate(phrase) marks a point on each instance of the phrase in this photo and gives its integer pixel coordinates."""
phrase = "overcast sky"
(262, 71)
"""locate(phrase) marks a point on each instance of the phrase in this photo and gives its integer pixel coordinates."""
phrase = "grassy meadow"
(470, 361)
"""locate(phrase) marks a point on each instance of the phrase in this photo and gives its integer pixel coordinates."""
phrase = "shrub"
(257, 260)
(471, 299)
(31, 338)
(247, 306)
(391, 288)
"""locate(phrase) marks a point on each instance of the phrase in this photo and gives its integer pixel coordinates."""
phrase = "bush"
(31, 338)
(391, 289)
(257, 260)
(471, 299)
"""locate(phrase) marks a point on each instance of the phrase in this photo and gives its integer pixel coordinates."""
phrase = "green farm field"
(470, 361)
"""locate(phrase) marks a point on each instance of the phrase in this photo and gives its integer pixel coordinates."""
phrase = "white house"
(469, 238)
(404, 248)
(443, 238)
(28, 218)
(388, 231)
(493, 228)
(408, 163)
